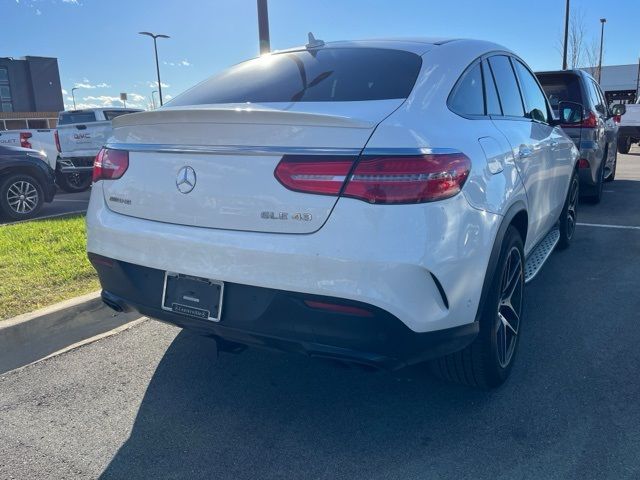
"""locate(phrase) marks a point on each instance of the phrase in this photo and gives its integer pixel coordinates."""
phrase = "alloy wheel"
(572, 208)
(510, 307)
(22, 197)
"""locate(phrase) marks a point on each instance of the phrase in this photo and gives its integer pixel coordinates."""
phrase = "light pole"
(602, 21)
(153, 99)
(263, 27)
(73, 96)
(155, 47)
(566, 36)
(638, 83)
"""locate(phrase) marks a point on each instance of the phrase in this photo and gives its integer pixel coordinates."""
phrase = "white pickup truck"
(42, 139)
(81, 134)
(629, 127)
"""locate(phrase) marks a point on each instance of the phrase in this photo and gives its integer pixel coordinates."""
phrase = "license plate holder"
(193, 297)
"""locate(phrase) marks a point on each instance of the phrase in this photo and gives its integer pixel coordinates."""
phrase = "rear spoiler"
(240, 113)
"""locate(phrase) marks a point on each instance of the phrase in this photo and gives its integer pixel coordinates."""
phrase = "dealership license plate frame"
(191, 311)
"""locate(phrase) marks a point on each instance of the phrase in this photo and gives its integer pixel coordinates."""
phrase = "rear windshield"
(111, 114)
(561, 88)
(67, 118)
(324, 75)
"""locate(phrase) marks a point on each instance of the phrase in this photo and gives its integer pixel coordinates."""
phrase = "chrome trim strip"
(233, 149)
(409, 151)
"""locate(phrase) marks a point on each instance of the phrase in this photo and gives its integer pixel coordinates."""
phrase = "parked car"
(80, 135)
(26, 182)
(41, 140)
(629, 127)
(594, 131)
(378, 202)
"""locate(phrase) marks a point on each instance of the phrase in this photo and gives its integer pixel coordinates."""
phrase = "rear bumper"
(629, 131)
(280, 320)
(424, 264)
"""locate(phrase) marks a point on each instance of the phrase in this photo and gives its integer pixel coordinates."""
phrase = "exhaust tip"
(113, 303)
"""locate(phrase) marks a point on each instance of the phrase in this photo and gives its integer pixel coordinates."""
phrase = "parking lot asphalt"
(156, 402)
(63, 203)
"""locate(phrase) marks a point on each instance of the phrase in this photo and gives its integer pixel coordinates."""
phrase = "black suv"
(26, 182)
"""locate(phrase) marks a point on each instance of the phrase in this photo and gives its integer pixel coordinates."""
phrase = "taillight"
(57, 139)
(24, 139)
(110, 164)
(617, 118)
(314, 174)
(591, 121)
(377, 179)
(408, 179)
(583, 163)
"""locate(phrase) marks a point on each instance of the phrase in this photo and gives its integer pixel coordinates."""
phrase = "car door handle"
(524, 152)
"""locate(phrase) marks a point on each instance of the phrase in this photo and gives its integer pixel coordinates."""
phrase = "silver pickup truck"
(81, 134)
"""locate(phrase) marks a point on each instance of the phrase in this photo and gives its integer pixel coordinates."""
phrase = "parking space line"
(598, 225)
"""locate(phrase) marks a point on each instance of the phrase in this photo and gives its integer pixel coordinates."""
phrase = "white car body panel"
(383, 255)
(631, 118)
(41, 139)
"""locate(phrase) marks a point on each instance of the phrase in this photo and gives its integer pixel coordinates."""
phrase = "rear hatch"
(563, 87)
(226, 137)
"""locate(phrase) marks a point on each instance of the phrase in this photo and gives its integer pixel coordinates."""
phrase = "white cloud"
(38, 12)
(168, 97)
(87, 84)
(155, 85)
(75, 2)
(181, 63)
(64, 92)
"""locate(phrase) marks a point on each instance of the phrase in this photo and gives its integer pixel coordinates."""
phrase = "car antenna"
(314, 42)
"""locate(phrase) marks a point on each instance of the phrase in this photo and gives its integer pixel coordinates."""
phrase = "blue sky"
(98, 48)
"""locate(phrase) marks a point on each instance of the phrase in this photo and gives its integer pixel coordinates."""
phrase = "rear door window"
(67, 118)
(597, 99)
(467, 97)
(508, 90)
(534, 99)
(322, 75)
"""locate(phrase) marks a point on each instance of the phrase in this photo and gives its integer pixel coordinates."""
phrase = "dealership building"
(30, 92)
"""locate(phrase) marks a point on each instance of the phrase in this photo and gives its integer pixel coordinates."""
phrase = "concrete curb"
(30, 337)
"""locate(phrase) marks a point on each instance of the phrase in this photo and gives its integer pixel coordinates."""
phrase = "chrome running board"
(540, 254)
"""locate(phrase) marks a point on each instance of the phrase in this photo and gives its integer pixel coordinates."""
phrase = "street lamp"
(566, 36)
(153, 99)
(263, 27)
(602, 21)
(155, 47)
(73, 96)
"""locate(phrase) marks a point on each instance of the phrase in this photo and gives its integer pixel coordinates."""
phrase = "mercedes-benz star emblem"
(186, 179)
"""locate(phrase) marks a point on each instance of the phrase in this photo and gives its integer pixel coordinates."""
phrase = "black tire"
(21, 197)
(612, 174)
(596, 196)
(482, 363)
(73, 182)
(624, 144)
(569, 215)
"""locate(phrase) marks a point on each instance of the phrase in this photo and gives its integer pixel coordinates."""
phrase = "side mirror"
(618, 109)
(570, 113)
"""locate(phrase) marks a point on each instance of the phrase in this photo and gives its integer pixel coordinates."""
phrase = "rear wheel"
(596, 196)
(624, 144)
(73, 182)
(21, 197)
(569, 215)
(487, 362)
(612, 173)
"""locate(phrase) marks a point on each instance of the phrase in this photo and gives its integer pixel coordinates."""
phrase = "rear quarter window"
(68, 118)
(323, 75)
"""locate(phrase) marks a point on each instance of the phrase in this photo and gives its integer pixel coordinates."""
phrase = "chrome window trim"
(409, 151)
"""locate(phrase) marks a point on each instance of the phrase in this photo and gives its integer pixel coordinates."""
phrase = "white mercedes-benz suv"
(378, 202)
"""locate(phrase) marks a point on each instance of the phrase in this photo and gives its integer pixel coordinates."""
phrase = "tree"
(582, 48)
